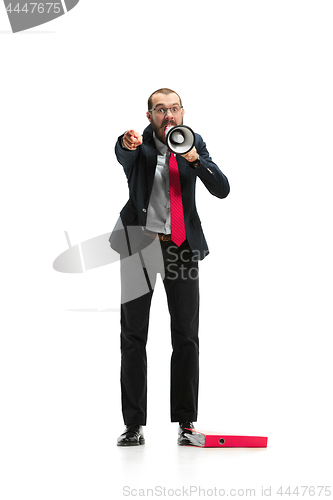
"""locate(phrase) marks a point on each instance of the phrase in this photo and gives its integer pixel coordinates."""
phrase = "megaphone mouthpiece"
(177, 137)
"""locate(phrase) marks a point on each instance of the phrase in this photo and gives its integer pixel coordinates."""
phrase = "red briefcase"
(210, 440)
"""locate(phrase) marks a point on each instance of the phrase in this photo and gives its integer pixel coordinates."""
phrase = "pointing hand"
(132, 140)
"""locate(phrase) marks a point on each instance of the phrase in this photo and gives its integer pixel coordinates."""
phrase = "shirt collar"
(162, 148)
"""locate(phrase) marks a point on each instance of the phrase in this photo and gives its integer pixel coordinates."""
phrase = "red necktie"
(178, 234)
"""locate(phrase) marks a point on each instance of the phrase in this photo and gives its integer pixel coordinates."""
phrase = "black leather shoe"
(132, 436)
(183, 440)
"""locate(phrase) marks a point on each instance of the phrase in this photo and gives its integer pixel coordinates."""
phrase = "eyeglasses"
(175, 110)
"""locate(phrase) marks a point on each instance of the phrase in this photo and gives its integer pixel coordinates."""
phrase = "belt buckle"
(164, 237)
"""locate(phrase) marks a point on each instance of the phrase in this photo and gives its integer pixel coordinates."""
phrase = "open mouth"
(167, 127)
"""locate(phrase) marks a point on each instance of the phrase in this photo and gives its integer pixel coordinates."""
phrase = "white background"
(256, 82)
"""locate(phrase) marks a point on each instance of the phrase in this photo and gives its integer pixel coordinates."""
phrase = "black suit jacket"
(139, 167)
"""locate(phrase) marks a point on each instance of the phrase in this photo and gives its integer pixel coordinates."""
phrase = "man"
(159, 230)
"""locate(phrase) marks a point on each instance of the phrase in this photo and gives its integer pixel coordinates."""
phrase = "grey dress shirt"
(158, 213)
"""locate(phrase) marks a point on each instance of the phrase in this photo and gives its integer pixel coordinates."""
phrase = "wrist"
(122, 142)
(196, 162)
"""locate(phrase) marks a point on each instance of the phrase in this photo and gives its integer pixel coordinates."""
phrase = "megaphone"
(180, 139)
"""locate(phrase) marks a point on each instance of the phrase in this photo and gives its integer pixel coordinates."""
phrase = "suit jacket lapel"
(151, 167)
(151, 155)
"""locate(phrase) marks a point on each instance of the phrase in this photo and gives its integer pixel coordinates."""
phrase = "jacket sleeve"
(126, 157)
(210, 174)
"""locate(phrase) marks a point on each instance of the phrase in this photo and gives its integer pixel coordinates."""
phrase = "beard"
(160, 129)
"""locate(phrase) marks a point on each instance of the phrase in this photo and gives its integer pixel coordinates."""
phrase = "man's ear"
(148, 116)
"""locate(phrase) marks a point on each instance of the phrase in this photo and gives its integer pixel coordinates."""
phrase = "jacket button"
(144, 210)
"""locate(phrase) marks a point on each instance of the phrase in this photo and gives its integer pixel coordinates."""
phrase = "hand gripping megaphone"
(180, 139)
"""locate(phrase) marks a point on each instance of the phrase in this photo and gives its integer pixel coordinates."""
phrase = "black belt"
(160, 236)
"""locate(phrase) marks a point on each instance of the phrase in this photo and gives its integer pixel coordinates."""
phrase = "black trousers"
(179, 270)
